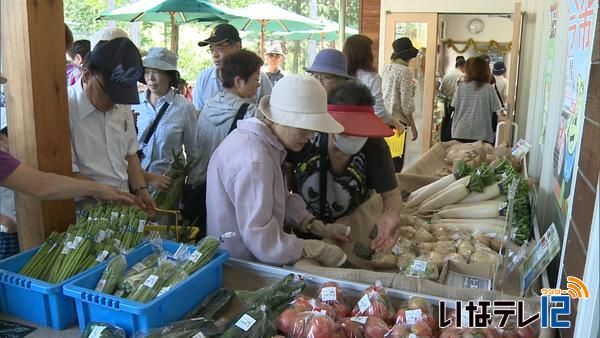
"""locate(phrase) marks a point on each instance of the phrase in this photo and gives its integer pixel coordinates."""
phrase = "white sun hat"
(160, 58)
(299, 101)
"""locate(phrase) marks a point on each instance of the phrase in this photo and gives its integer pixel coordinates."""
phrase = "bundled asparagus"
(167, 199)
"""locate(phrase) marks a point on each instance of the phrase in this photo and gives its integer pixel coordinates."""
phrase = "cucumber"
(262, 326)
(102, 330)
(283, 291)
(213, 306)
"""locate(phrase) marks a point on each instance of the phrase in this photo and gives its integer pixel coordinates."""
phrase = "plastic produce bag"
(252, 323)
(332, 294)
(384, 260)
(359, 327)
(312, 324)
(113, 272)
(403, 261)
(374, 302)
(102, 330)
(423, 269)
(435, 258)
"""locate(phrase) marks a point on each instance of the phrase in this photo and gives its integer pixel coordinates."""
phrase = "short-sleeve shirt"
(398, 88)
(101, 141)
(370, 169)
(474, 106)
(8, 164)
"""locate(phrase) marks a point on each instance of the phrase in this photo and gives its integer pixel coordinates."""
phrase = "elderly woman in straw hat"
(166, 121)
(246, 191)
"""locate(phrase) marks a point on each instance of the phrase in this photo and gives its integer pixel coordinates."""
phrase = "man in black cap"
(223, 40)
(103, 140)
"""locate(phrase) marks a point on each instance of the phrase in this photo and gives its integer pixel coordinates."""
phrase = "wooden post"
(33, 56)
(512, 78)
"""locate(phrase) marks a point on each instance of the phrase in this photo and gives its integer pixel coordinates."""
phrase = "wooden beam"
(369, 13)
(33, 56)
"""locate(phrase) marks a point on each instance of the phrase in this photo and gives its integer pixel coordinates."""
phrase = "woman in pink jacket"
(246, 190)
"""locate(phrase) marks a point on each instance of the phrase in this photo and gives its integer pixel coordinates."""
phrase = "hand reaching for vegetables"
(107, 193)
(158, 181)
(388, 231)
(148, 203)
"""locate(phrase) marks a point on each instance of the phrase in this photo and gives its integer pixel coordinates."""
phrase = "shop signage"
(555, 304)
(581, 28)
(549, 70)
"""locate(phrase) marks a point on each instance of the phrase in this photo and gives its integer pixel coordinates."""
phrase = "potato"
(444, 248)
(404, 260)
(384, 260)
(434, 258)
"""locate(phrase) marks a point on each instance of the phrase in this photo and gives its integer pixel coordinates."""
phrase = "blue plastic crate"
(141, 317)
(34, 300)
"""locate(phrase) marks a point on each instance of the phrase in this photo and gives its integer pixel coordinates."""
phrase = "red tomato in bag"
(311, 324)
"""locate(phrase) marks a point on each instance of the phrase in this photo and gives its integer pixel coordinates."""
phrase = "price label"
(246, 322)
(199, 335)
(114, 216)
(109, 233)
(150, 281)
(329, 293)
(76, 242)
(102, 256)
(163, 290)
(361, 319)
(117, 242)
(97, 332)
(364, 303)
(119, 293)
(419, 265)
(100, 285)
(100, 236)
(139, 267)
(66, 248)
(141, 225)
(52, 247)
(413, 316)
(195, 256)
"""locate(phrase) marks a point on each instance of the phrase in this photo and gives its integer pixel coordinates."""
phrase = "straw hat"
(299, 101)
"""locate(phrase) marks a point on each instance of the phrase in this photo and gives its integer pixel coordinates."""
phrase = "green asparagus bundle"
(178, 172)
(114, 270)
(204, 252)
(153, 283)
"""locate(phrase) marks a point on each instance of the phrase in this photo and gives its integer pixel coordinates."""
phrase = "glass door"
(421, 28)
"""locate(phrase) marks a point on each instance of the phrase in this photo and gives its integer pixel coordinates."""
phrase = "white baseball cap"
(299, 101)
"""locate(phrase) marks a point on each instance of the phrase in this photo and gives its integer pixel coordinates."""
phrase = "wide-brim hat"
(359, 120)
(330, 61)
(160, 58)
(274, 49)
(299, 101)
(404, 48)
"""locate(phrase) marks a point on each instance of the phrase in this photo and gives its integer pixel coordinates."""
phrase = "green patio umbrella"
(173, 11)
(264, 17)
(328, 33)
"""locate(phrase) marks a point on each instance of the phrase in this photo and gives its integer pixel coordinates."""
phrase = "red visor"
(359, 120)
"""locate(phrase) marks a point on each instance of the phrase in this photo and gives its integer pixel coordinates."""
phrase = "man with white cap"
(247, 190)
(223, 40)
(274, 59)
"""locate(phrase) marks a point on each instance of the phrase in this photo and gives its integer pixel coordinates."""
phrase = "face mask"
(349, 145)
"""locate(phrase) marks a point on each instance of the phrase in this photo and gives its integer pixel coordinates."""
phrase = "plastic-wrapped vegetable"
(444, 248)
(435, 258)
(424, 248)
(481, 238)
(465, 248)
(359, 327)
(484, 255)
(423, 269)
(194, 327)
(176, 278)
(252, 323)
(374, 302)
(403, 261)
(153, 283)
(275, 295)
(407, 232)
(113, 272)
(132, 282)
(422, 235)
(213, 305)
(285, 320)
(313, 324)
(206, 249)
(384, 260)
(102, 330)
(332, 294)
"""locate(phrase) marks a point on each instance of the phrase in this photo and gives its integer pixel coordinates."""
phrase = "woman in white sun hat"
(246, 191)
(166, 121)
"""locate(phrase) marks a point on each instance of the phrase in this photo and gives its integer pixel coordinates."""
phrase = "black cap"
(221, 33)
(120, 63)
(499, 68)
(404, 49)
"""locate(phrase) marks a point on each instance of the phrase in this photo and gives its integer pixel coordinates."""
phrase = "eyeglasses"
(101, 85)
(274, 55)
(219, 48)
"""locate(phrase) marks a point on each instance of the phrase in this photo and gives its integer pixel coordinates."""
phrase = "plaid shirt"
(9, 244)
(176, 129)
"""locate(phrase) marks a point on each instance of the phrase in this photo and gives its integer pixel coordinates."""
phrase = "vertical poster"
(549, 70)
(581, 28)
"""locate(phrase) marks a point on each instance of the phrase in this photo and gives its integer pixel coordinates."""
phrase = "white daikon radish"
(474, 204)
(472, 227)
(418, 196)
(463, 181)
(492, 221)
(489, 192)
(481, 210)
(454, 193)
(500, 198)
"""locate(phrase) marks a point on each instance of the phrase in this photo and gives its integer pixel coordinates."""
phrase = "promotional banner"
(581, 28)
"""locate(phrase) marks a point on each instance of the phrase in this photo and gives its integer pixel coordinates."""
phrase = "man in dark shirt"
(274, 59)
